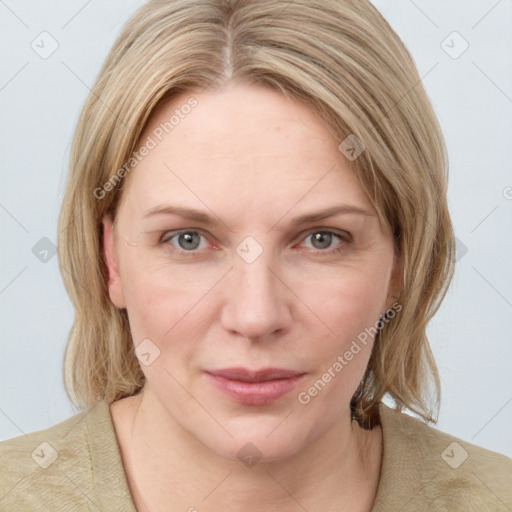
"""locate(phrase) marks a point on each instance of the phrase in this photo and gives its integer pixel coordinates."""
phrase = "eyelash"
(344, 238)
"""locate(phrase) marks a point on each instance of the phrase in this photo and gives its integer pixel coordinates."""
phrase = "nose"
(257, 303)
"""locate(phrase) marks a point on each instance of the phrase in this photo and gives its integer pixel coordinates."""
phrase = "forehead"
(247, 146)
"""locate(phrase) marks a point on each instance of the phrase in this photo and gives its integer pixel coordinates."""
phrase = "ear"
(115, 288)
(395, 282)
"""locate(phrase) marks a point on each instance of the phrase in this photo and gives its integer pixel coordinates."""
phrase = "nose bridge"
(255, 307)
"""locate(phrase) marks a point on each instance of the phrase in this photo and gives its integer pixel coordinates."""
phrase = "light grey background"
(40, 100)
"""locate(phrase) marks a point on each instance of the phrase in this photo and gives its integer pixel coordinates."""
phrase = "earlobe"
(115, 289)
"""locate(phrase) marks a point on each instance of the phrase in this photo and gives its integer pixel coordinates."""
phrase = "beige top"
(76, 466)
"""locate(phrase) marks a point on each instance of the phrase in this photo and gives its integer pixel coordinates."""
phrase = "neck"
(168, 469)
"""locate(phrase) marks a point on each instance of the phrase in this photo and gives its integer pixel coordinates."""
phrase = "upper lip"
(247, 375)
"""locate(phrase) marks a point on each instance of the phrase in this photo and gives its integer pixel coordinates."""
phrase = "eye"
(321, 240)
(186, 240)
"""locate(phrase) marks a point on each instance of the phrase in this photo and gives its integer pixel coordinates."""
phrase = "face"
(247, 283)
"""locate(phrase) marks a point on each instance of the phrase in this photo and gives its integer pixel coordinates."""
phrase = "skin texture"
(253, 160)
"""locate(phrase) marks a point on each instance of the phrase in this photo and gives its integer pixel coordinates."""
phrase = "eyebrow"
(204, 218)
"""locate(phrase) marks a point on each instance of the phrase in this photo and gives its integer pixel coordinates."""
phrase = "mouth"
(255, 387)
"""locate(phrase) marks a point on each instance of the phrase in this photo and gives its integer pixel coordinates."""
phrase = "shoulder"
(424, 468)
(59, 467)
(37, 464)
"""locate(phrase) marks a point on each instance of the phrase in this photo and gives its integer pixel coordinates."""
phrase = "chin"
(255, 441)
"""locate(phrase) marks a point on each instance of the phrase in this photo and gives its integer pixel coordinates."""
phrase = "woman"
(254, 235)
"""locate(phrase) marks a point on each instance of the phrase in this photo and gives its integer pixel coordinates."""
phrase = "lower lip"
(255, 393)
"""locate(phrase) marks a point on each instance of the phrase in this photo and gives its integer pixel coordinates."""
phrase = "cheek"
(163, 325)
(349, 307)
(344, 301)
(163, 300)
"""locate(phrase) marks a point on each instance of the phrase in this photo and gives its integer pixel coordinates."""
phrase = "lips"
(246, 375)
(254, 387)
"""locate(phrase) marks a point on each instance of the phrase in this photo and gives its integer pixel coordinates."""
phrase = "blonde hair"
(344, 61)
